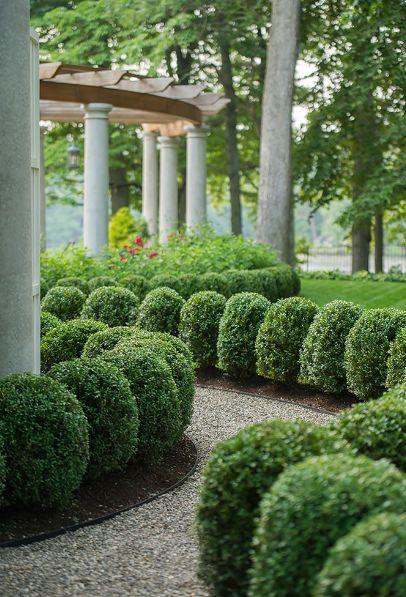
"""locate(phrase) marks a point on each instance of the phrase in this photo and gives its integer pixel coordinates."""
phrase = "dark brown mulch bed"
(213, 378)
(101, 498)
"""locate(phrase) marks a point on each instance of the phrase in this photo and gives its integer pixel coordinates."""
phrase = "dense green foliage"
(239, 325)
(212, 281)
(378, 428)
(74, 281)
(397, 360)
(310, 506)
(104, 340)
(239, 472)
(114, 306)
(137, 284)
(110, 408)
(3, 470)
(369, 561)
(67, 340)
(65, 302)
(48, 321)
(365, 293)
(367, 348)
(322, 353)
(123, 228)
(281, 336)
(199, 325)
(101, 281)
(160, 311)
(45, 440)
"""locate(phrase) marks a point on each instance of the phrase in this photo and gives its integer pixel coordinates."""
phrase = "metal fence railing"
(330, 258)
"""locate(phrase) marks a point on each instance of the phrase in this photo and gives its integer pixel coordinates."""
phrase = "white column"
(196, 173)
(43, 239)
(168, 187)
(96, 191)
(150, 181)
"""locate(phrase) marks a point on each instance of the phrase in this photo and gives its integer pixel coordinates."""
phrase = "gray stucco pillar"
(196, 208)
(16, 293)
(150, 181)
(43, 231)
(168, 187)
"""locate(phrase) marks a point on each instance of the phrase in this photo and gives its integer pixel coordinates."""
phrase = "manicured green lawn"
(369, 294)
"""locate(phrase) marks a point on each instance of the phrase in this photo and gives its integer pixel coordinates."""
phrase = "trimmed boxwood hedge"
(212, 281)
(104, 340)
(239, 472)
(367, 349)
(65, 302)
(397, 360)
(322, 353)
(139, 285)
(113, 305)
(45, 440)
(199, 325)
(156, 394)
(281, 336)
(369, 561)
(66, 341)
(378, 428)
(238, 329)
(310, 506)
(287, 280)
(48, 322)
(74, 281)
(100, 281)
(110, 408)
(160, 311)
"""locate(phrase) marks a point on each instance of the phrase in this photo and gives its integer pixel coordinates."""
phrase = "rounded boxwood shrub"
(287, 280)
(266, 281)
(48, 322)
(369, 561)
(104, 340)
(199, 325)
(239, 281)
(160, 311)
(187, 285)
(164, 280)
(214, 282)
(155, 391)
(137, 284)
(378, 428)
(113, 305)
(66, 341)
(367, 349)
(322, 353)
(310, 506)
(76, 282)
(397, 360)
(281, 336)
(239, 472)
(100, 281)
(110, 408)
(238, 329)
(65, 302)
(45, 440)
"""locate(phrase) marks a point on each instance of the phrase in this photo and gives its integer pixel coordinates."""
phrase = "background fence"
(329, 258)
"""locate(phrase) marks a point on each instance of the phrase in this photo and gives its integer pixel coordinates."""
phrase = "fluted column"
(168, 187)
(150, 181)
(196, 174)
(96, 174)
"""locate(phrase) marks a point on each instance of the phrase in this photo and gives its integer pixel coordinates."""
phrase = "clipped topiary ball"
(287, 280)
(239, 472)
(164, 280)
(267, 285)
(378, 428)
(137, 284)
(322, 353)
(155, 391)
(45, 439)
(65, 302)
(160, 311)
(238, 330)
(199, 325)
(212, 281)
(369, 561)
(239, 281)
(281, 336)
(104, 340)
(397, 360)
(187, 284)
(310, 506)
(367, 349)
(67, 340)
(100, 281)
(110, 408)
(76, 282)
(115, 306)
(48, 322)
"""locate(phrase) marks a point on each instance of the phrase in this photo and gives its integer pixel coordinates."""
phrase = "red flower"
(153, 254)
(134, 250)
(138, 240)
(123, 259)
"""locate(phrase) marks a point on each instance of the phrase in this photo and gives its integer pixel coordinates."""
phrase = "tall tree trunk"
(275, 204)
(361, 238)
(378, 238)
(233, 164)
(120, 196)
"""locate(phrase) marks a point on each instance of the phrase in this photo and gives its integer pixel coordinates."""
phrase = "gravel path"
(150, 551)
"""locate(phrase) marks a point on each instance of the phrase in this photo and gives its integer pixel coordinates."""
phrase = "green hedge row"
(279, 495)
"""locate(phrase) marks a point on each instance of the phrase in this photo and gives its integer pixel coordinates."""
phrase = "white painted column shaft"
(150, 181)
(43, 238)
(168, 187)
(96, 188)
(196, 174)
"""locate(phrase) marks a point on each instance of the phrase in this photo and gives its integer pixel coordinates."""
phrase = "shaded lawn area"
(366, 293)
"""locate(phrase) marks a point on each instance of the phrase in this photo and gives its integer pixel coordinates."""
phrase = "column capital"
(171, 142)
(149, 134)
(193, 130)
(97, 110)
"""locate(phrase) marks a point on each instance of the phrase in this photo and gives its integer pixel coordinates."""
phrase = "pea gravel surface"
(151, 550)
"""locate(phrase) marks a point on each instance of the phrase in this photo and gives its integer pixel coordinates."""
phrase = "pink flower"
(134, 250)
(152, 254)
